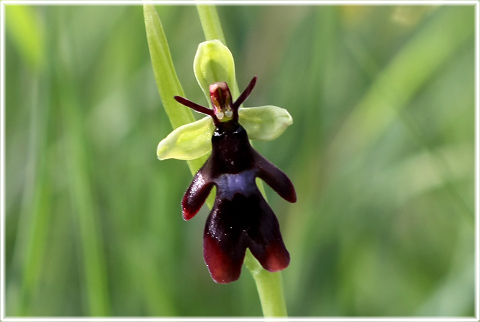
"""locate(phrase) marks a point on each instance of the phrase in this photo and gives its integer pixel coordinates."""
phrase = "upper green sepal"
(191, 141)
(187, 142)
(213, 63)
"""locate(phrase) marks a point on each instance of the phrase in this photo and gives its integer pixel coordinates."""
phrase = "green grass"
(381, 153)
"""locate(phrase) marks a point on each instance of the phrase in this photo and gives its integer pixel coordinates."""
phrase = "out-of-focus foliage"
(381, 153)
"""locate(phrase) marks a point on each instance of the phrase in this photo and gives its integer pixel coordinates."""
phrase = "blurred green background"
(381, 153)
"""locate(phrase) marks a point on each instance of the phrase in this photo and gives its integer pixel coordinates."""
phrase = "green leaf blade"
(166, 77)
(164, 71)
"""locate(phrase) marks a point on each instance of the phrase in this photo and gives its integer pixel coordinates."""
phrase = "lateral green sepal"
(264, 123)
(187, 142)
(192, 140)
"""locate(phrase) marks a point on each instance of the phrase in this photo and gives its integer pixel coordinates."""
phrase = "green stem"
(210, 23)
(269, 285)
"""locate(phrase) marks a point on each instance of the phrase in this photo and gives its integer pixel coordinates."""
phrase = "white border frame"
(3, 317)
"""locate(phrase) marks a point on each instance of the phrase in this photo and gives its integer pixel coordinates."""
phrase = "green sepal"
(191, 141)
(213, 63)
(264, 123)
(187, 142)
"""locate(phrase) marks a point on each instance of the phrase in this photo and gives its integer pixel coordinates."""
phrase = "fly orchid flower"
(240, 217)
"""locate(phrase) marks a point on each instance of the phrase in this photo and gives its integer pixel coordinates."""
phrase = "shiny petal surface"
(264, 239)
(197, 192)
(232, 226)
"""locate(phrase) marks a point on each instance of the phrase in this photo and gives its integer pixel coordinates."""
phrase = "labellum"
(240, 217)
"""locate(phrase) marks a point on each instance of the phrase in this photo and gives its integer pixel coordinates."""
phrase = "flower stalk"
(211, 25)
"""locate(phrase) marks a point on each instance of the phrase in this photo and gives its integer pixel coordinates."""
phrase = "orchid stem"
(210, 23)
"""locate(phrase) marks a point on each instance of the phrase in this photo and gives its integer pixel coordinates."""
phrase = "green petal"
(213, 63)
(264, 123)
(187, 142)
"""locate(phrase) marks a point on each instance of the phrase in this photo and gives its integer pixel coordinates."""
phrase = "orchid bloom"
(240, 217)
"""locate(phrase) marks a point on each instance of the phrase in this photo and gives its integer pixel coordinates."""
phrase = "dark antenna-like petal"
(243, 97)
(197, 107)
